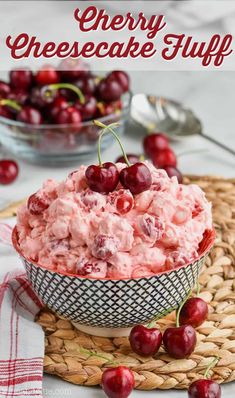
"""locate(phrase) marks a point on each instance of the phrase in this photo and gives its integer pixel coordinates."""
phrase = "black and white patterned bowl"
(106, 303)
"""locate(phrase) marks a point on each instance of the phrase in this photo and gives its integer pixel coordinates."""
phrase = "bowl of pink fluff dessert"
(111, 260)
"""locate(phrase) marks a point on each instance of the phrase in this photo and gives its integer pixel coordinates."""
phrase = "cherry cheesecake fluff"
(67, 227)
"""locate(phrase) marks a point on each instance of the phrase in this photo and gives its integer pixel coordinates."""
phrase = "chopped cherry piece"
(145, 341)
(194, 312)
(37, 203)
(173, 171)
(109, 90)
(180, 342)
(154, 143)
(122, 78)
(30, 115)
(137, 178)
(104, 246)
(204, 388)
(124, 202)
(103, 179)
(69, 115)
(164, 158)
(8, 171)
(22, 79)
(47, 75)
(130, 156)
(4, 89)
(151, 226)
(118, 382)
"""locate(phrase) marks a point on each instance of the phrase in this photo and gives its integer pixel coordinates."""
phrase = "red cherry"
(155, 142)
(145, 341)
(5, 112)
(103, 179)
(164, 158)
(8, 171)
(47, 75)
(194, 312)
(40, 97)
(137, 178)
(19, 96)
(131, 157)
(107, 108)
(22, 79)
(122, 78)
(56, 107)
(37, 203)
(109, 90)
(118, 382)
(86, 84)
(173, 171)
(88, 109)
(204, 388)
(180, 342)
(69, 115)
(30, 115)
(4, 89)
(72, 69)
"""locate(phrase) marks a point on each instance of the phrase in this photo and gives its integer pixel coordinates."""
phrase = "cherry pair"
(104, 178)
(179, 341)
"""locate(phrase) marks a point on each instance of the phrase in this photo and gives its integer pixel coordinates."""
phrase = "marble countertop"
(212, 97)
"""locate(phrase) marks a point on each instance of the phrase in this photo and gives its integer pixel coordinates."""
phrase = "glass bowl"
(60, 144)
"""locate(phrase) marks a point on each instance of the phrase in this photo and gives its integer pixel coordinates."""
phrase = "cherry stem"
(210, 366)
(180, 308)
(160, 316)
(68, 86)
(12, 104)
(105, 128)
(198, 289)
(94, 354)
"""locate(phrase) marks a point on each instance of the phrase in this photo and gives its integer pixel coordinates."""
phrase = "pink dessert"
(66, 227)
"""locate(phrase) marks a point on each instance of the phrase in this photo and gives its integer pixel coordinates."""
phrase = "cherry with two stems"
(205, 388)
(180, 341)
(118, 382)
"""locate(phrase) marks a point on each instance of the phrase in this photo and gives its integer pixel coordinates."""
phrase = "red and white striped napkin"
(21, 339)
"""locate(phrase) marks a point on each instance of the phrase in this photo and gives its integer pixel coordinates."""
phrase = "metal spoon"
(170, 116)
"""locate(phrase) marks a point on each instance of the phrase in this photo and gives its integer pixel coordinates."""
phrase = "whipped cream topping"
(116, 235)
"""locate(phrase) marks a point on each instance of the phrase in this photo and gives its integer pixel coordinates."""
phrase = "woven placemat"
(80, 359)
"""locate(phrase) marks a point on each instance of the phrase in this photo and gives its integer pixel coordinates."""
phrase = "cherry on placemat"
(180, 342)
(204, 388)
(9, 170)
(164, 158)
(118, 382)
(137, 178)
(145, 341)
(154, 143)
(194, 312)
(102, 178)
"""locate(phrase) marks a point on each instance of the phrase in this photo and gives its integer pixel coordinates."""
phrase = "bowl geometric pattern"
(113, 303)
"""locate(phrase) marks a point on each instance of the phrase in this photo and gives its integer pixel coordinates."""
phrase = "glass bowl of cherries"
(47, 117)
